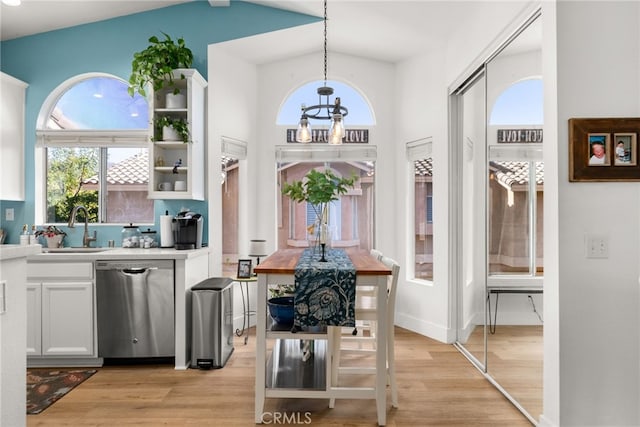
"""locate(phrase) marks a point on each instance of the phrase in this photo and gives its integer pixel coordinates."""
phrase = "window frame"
(531, 153)
(416, 150)
(309, 153)
(111, 138)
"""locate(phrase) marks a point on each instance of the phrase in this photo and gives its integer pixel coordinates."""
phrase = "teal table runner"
(325, 291)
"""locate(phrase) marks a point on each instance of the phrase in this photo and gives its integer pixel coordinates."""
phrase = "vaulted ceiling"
(384, 30)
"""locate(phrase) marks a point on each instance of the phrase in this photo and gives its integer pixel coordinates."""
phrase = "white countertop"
(18, 251)
(118, 254)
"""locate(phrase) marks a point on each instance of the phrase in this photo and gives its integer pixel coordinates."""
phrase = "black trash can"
(212, 323)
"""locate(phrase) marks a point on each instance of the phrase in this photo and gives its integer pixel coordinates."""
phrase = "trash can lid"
(213, 283)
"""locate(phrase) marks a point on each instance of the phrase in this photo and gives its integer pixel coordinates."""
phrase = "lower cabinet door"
(67, 319)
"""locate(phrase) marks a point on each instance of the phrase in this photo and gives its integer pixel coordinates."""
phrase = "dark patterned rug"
(46, 386)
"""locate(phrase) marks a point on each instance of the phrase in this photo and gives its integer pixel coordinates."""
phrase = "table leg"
(261, 350)
(381, 352)
(333, 357)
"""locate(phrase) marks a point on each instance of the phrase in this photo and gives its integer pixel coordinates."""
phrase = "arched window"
(519, 104)
(92, 141)
(351, 217)
(360, 112)
(516, 182)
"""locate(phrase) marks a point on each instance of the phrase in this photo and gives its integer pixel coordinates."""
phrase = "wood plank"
(437, 386)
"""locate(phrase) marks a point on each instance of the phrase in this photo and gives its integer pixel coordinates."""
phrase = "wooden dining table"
(281, 370)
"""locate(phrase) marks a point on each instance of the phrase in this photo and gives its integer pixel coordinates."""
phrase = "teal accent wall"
(46, 60)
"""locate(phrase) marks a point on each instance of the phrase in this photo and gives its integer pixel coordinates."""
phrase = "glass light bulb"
(336, 131)
(303, 134)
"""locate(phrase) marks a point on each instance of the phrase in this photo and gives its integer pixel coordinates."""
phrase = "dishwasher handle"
(134, 271)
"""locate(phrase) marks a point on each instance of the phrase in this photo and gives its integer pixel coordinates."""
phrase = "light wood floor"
(514, 360)
(437, 387)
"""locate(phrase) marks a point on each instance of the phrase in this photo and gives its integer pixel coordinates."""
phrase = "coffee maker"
(188, 230)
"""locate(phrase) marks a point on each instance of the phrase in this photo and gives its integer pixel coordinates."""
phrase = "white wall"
(598, 75)
(231, 112)
(375, 80)
(231, 106)
(423, 307)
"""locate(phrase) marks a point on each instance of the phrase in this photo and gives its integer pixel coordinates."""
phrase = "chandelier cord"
(325, 42)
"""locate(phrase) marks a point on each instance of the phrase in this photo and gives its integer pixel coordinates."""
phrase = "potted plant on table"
(53, 236)
(154, 65)
(319, 189)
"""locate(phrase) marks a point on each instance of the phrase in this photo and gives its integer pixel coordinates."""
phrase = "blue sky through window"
(102, 103)
(519, 104)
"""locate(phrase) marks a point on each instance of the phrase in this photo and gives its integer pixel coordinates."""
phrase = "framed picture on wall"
(604, 149)
(244, 268)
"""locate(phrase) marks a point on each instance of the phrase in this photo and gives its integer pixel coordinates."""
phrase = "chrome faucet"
(86, 239)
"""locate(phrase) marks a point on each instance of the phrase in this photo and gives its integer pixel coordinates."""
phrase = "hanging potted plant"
(172, 129)
(154, 65)
(318, 189)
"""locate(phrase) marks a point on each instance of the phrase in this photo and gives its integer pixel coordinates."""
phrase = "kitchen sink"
(72, 250)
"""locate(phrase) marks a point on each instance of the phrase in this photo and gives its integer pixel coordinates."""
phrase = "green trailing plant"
(155, 64)
(178, 124)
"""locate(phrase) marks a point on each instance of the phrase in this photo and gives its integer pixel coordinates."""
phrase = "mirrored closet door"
(500, 198)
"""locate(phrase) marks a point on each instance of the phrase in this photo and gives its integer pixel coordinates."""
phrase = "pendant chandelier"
(324, 110)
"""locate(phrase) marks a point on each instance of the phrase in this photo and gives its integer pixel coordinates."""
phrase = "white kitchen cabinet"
(34, 319)
(13, 278)
(60, 313)
(164, 154)
(12, 138)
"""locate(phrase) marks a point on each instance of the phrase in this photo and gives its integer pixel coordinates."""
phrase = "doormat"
(46, 386)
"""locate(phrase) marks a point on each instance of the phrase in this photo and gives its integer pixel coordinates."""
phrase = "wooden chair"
(342, 343)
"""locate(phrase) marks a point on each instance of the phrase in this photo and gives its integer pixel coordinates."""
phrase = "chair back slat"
(376, 254)
(392, 284)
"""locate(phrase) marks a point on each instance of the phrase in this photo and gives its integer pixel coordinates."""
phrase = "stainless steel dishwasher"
(135, 304)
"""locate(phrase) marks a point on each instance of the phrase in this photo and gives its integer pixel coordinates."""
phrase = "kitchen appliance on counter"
(188, 230)
(135, 306)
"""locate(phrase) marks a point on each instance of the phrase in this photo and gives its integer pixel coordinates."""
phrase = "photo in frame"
(626, 152)
(244, 268)
(603, 149)
(599, 149)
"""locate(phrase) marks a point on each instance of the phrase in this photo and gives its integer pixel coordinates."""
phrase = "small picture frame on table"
(244, 269)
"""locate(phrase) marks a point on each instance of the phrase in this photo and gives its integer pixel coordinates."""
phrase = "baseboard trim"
(64, 362)
(428, 329)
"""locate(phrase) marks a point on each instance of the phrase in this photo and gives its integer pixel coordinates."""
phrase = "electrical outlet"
(597, 246)
(9, 214)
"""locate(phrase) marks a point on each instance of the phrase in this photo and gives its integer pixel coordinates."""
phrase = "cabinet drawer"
(65, 270)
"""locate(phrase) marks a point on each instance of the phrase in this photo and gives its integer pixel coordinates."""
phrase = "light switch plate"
(9, 214)
(596, 246)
